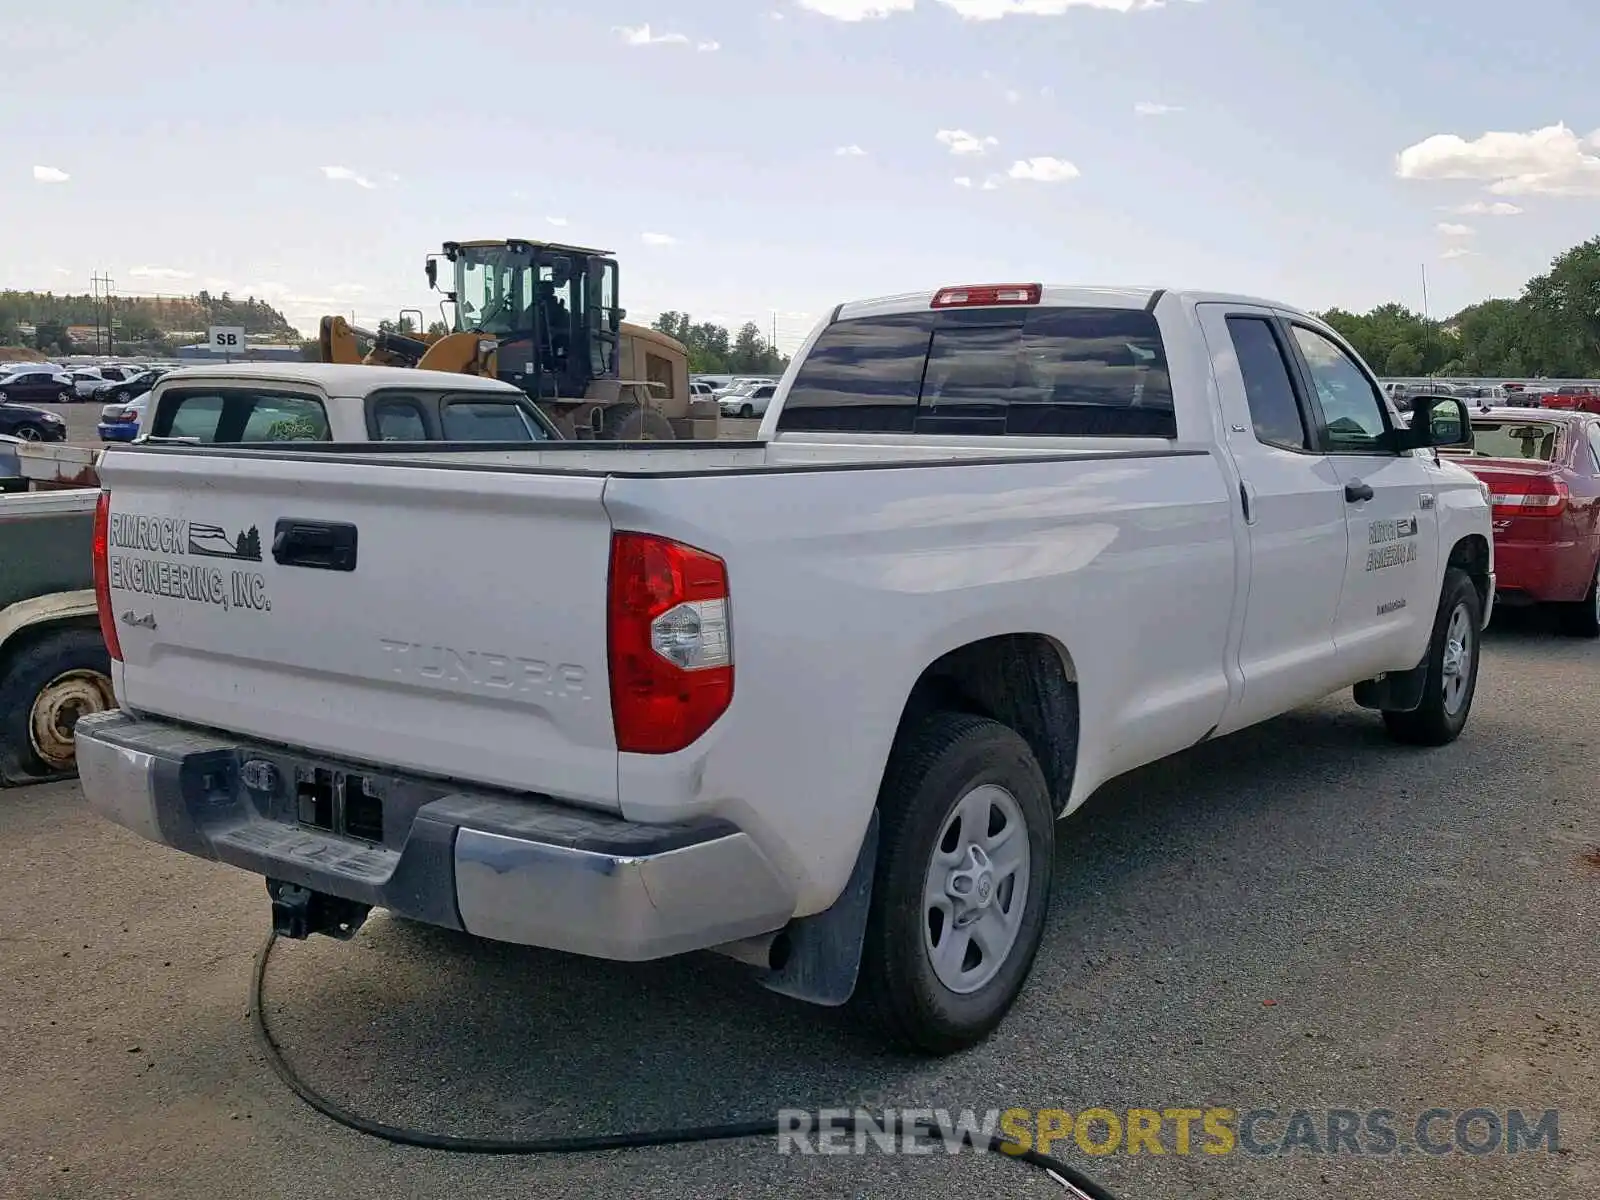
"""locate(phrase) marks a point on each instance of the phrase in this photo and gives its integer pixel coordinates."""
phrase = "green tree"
(51, 337)
(437, 329)
(1404, 359)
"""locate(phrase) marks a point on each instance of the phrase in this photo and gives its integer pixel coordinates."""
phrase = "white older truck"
(816, 700)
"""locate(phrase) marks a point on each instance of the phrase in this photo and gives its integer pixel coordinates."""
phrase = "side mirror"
(1441, 422)
(432, 269)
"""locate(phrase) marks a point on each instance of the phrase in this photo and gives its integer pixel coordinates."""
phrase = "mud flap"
(1395, 691)
(823, 952)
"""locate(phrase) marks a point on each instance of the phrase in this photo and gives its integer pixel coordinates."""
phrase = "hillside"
(47, 321)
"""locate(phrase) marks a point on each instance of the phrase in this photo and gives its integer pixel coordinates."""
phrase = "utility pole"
(1427, 325)
(100, 287)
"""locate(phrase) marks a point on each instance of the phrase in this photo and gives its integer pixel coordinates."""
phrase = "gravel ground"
(1300, 916)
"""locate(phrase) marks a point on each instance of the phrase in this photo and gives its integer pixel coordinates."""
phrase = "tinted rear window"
(1536, 440)
(487, 421)
(1050, 372)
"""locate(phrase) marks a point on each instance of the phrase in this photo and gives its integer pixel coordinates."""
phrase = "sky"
(765, 160)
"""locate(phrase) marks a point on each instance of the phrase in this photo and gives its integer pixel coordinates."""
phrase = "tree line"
(714, 350)
(143, 324)
(1551, 330)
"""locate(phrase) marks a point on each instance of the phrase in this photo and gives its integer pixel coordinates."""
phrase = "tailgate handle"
(326, 545)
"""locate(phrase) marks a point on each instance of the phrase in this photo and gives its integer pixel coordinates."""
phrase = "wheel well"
(28, 635)
(1471, 554)
(1023, 680)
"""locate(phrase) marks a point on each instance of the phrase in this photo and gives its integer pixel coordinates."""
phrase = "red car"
(1582, 397)
(1543, 469)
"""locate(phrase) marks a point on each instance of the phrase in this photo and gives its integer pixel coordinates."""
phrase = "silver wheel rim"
(28, 433)
(975, 894)
(56, 710)
(1457, 667)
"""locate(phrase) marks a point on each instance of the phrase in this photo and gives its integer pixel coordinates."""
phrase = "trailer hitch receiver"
(298, 912)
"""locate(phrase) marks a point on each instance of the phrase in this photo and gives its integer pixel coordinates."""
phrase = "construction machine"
(546, 318)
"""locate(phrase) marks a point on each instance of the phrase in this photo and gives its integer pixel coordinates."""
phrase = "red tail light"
(986, 295)
(102, 574)
(668, 643)
(1537, 496)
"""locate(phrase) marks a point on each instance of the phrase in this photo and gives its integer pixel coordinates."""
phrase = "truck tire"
(1583, 618)
(1452, 680)
(634, 423)
(45, 686)
(965, 853)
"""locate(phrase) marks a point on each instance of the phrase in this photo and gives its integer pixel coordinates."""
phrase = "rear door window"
(487, 421)
(1269, 391)
(230, 415)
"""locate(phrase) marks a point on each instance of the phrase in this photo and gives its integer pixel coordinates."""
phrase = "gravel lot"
(1422, 924)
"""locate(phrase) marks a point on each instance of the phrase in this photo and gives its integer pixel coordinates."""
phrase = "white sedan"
(752, 403)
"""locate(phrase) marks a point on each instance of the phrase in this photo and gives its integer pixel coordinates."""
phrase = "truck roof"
(340, 379)
(1063, 296)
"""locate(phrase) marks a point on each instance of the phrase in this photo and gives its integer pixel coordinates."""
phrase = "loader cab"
(552, 309)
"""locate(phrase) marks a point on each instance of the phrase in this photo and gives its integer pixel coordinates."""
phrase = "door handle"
(326, 545)
(1357, 491)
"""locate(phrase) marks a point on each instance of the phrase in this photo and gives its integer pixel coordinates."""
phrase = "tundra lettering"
(485, 669)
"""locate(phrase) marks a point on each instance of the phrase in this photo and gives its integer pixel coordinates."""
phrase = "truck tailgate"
(463, 634)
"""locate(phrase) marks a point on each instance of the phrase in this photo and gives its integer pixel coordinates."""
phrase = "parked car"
(120, 422)
(36, 387)
(1073, 531)
(1543, 474)
(120, 391)
(53, 662)
(251, 402)
(31, 424)
(1576, 397)
(751, 403)
(84, 382)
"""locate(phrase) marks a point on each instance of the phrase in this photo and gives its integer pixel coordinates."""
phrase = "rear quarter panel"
(846, 584)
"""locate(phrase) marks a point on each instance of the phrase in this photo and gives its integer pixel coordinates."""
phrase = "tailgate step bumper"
(515, 868)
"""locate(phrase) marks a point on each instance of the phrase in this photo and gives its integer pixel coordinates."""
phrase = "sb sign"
(227, 339)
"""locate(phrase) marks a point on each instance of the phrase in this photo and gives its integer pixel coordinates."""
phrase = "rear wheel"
(1583, 618)
(28, 433)
(44, 688)
(962, 883)
(635, 423)
(65, 397)
(1452, 663)
(746, 412)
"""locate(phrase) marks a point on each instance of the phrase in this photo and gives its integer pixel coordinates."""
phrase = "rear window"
(1536, 440)
(488, 421)
(235, 414)
(1049, 372)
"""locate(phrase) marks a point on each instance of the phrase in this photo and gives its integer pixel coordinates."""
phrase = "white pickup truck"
(816, 700)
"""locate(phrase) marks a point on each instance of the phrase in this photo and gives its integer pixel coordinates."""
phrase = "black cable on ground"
(1063, 1173)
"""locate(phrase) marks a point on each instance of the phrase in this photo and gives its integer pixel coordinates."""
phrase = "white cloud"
(50, 175)
(1552, 161)
(708, 47)
(658, 239)
(1450, 230)
(857, 10)
(1146, 108)
(1480, 208)
(850, 151)
(562, 221)
(991, 183)
(1044, 169)
(1457, 252)
(348, 289)
(964, 181)
(640, 35)
(346, 175)
(972, 10)
(1013, 96)
(962, 142)
(159, 273)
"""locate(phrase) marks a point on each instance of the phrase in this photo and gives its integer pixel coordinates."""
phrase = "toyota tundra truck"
(815, 700)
